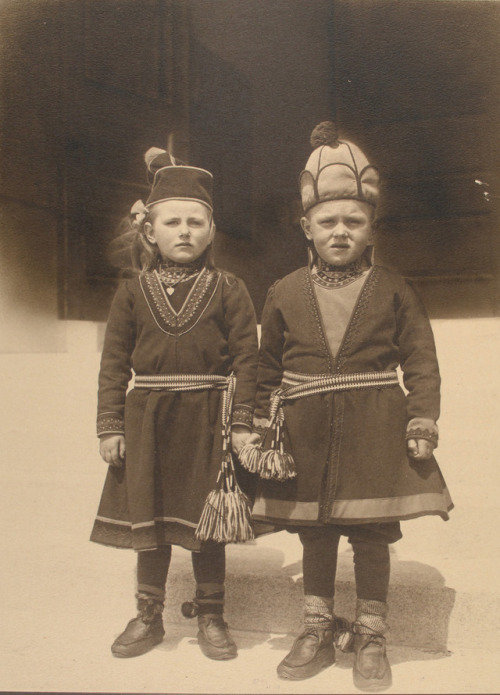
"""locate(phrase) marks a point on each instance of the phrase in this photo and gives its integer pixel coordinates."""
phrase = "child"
(188, 330)
(352, 456)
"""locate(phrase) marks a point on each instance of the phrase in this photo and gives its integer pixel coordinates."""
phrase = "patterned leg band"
(318, 611)
(370, 617)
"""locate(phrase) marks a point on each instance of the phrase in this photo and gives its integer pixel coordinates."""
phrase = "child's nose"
(184, 229)
(340, 231)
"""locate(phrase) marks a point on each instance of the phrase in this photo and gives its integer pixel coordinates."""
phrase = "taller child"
(189, 333)
(333, 334)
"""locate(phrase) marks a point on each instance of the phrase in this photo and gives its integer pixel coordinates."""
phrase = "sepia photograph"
(250, 328)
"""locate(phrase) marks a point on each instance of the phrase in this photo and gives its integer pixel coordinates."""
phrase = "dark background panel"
(236, 86)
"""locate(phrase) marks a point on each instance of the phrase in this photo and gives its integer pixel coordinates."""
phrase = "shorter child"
(349, 453)
(188, 331)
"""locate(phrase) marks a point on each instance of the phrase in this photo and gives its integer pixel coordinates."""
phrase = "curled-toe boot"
(214, 637)
(371, 671)
(312, 651)
(143, 632)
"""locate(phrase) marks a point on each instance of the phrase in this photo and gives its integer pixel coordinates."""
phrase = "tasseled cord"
(273, 463)
(226, 516)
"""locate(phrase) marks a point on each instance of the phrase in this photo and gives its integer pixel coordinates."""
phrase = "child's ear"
(212, 232)
(306, 226)
(148, 233)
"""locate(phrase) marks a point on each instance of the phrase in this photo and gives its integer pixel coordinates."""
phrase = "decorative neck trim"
(171, 274)
(330, 276)
(197, 301)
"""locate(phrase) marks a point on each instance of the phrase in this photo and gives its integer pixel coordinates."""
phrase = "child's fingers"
(412, 448)
(121, 448)
(420, 449)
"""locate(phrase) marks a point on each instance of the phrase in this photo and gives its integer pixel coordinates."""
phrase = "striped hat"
(336, 170)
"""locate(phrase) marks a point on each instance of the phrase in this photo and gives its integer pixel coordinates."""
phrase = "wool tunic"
(349, 447)
(173, 439)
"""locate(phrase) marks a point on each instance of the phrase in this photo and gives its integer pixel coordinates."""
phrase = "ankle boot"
(313, 650)
(371, 671)
(214, 637)
(143, 632)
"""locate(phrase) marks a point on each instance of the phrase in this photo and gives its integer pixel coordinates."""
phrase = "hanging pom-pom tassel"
(250, 457)
(343, 634)
(273, 463)
(277, 465)
(226, 515)
(190, 609)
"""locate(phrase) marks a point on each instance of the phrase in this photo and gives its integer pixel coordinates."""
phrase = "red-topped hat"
(174, 180)
(336, 170)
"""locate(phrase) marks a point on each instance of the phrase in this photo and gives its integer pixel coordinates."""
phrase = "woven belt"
(300, 385)
(196, 382)
(275, 462)
(185, 382)
(226, 514)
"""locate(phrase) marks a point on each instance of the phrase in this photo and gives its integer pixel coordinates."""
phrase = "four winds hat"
(336, 170)
(174, 180)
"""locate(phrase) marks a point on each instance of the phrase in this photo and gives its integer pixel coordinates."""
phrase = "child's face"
(182, 229)
(339, 229)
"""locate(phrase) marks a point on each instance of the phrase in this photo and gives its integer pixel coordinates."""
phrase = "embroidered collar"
(179, 322)
(171, 274)
(330, 276)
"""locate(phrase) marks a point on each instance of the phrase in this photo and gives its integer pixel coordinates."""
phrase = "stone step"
(264, 593)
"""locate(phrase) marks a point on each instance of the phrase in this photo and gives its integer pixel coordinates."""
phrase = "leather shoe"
(312, 651)
(372, 671)
(138, 637)
(215, 639)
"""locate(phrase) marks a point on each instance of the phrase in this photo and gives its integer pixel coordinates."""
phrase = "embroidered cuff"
(110, 423)
(423, 428)
(242, 415)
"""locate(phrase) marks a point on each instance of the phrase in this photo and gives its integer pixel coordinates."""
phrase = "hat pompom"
(325, 133)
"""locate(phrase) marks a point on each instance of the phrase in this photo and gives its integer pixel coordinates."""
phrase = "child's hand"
(239, 437)
(112, 449)
(419, 449)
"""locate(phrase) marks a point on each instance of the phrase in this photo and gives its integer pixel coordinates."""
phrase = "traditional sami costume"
(173, 437)
(187, 334)
(348, 441)
(335, 420)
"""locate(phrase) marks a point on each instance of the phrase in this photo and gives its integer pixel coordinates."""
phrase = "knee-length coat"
(349, 447)
(173, 439)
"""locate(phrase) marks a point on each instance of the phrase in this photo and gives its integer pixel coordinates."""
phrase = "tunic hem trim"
(355, 511)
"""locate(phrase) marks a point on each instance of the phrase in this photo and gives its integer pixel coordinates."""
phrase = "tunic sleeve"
(115, 371)
(418, 361)
(271, 354)
(241, 324)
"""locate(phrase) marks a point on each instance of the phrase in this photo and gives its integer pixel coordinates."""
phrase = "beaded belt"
(226, 514)
(275, 462)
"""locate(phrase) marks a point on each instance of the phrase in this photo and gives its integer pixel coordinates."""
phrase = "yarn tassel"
(343, 634)
(250, 457)
(226, 515)
(273, 463)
